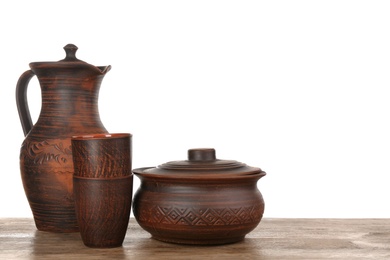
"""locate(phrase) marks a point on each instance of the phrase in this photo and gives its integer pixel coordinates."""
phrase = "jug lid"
(202, 163)
(70, 61)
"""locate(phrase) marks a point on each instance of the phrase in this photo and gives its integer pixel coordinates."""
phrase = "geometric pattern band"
(202, 216)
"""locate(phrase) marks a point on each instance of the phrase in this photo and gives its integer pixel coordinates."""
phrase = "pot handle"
(21, 101)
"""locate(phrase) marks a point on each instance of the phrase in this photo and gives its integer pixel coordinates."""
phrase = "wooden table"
(273, 239)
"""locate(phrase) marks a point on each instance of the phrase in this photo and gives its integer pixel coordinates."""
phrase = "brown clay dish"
(202, 200)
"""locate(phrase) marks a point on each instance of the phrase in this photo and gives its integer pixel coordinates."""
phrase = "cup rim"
(103, 179)
(101, 136)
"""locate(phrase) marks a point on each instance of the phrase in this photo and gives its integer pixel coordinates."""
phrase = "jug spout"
(104, 69)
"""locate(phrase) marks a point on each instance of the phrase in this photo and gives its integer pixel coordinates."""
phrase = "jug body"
(69, 107)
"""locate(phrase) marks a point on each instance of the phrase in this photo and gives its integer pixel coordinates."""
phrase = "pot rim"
(103, 179)
(140, 172)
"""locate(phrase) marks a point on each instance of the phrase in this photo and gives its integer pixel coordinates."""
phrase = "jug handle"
(21, 101)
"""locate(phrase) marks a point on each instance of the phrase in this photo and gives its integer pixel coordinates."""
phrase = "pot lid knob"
(70, 50)
(201, 154)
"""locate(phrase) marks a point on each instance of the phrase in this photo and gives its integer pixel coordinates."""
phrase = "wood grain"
(272, 239)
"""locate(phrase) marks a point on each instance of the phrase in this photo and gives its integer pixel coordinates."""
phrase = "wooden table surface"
(272, 239)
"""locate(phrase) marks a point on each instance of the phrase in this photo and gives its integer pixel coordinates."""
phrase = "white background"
(297, 88)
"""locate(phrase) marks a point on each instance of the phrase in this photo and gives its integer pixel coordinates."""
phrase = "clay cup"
(102, 187)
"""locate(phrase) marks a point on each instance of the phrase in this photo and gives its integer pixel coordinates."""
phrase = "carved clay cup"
(202, 200)
(102, 155)
(103, 209)
(102, 187)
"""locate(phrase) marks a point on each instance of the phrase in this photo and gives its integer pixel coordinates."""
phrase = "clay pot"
(70, 90)
(202, 200)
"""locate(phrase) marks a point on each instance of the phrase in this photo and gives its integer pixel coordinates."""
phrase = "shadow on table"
(48, 245)
(154, 249)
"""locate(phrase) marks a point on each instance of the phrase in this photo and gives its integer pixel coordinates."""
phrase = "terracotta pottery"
(70, 90)
(202, 200)
(102, 155)
(103, 184)
(103, 209)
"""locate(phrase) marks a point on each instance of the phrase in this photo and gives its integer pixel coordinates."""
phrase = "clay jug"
(70, 89)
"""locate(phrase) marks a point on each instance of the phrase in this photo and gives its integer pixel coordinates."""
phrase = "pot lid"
(202, 162)
(70, 62)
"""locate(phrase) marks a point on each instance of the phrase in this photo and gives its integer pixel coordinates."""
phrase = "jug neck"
(69, 107)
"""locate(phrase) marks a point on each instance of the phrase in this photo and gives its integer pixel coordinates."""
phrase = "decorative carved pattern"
(202, 216)
(41, 152)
